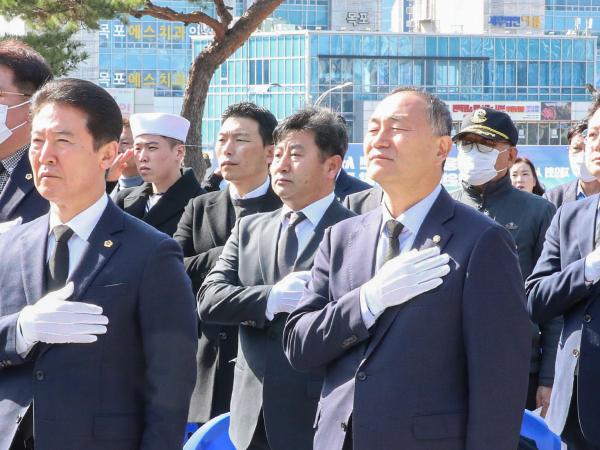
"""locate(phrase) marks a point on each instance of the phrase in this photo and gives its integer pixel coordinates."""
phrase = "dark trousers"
(572, 434)
(23, 439)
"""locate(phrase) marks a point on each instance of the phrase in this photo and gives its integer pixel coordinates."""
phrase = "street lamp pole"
(330, 90)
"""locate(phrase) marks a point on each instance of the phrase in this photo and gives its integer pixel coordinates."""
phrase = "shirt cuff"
(591, 271)
(368, 317)
(269, 313)
(22, 347)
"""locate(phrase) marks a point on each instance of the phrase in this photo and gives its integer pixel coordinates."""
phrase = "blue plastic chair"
(534, 428)
(213, 435)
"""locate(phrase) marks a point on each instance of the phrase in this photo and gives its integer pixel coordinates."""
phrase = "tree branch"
(165, 13)
(223, 13)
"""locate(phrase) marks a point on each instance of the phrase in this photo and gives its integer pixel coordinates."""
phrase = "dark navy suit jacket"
(130, 389)
(446, 371)
(564, 193)
(347, 184)
(19, 197)
(557, 286)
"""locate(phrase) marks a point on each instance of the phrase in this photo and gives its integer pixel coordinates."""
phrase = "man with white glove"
(416, 310)
(55, 320)
(260, 277)
(286, 293)
(402, 278)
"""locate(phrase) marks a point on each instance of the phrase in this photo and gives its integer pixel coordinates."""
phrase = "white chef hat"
(161, 124)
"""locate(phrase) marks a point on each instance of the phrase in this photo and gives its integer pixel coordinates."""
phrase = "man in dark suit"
(97, 328)
(423, 350)
(565, 282)
(159, 151)
(364, 201)
(244, 149)
(585, 184)
(22, 72)
(260, 276)
(346, 185)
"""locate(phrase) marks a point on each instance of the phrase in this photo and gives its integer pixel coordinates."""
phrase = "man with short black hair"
(585, 184)
(159, 149)
(260, 276)
(97, 328)
(244, 150)
(22, 72)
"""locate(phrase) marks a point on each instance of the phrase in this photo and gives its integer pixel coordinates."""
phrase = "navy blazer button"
(39, 375)
(587, 318)
(361, 376)
(349, 341)
(575, 352)
(223, 336)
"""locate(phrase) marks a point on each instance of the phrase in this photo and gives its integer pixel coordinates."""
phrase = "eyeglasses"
(3, 93)
(467, 146)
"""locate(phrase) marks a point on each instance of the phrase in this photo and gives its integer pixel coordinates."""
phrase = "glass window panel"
(357, 45)
(554, 133)
(589, 53)
(500, 48)
(393, 73)
(465, 46)
(371, 45)
(405, 73)
(566, 74)
(441, 73)
(477, 73)
(336, 71)
(383, 68)
(567, 53)
(499, 74)
(314, 71)
(454, 46)
(453, 73)
(418, 73)
(511, 69)
(532, 74)
(358, 70)
(324, 44)
(418, 46)
(555, 49)
(347, 45)
(555, 74)
(385, 45)
(405, 48)
(476, 44)
(324, 71)
(532, 133)
(488, 47)
(511, 48)
(429, 73)
(578, 74)
(522, 49)
(297, 71)
(534, 49)
(442, 46)
(544, 73)
(544, 134)
(579, 50)
(465, 73)
(431, 46)
(521, 73)
(336, 44)
(544, 49)
(347, 69)
(370, 76)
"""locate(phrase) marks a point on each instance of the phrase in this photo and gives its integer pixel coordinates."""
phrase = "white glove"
(5, 226)
(404, 277)
(286, 293)
(54, 320)
(591, 269)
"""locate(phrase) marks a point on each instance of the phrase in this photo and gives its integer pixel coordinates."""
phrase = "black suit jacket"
(347, 184)
(165, 215)
(564, 193)
(235, 293)
(19, 197)
(364, 201)
(202, 232)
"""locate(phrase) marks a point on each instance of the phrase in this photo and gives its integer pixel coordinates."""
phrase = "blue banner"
(551, 162)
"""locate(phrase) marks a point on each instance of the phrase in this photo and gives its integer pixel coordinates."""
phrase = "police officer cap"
(161, 124)
(490, 124)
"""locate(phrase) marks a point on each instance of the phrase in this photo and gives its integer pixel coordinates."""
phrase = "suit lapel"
(571, 192)
(588, 213)
(216, 214)
(101, 245)
(267, 245)
(361, 248)
(432, 232)
(135, 202)
(19, 185)
(33, 258)
(334, 213)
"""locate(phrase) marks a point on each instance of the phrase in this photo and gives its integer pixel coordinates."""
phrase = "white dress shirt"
(412, 219)
(82, 225)
(259, 191)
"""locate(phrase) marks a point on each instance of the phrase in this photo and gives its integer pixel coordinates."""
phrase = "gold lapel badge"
(436, 239)
(108, 244)
(28, 177)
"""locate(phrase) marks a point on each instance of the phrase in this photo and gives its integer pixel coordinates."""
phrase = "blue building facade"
(284, 71)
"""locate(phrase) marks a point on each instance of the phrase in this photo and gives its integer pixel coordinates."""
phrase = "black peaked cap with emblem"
(490, 124)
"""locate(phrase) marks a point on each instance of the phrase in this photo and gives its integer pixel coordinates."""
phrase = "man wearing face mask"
(585, 184)
(487, 149)
(22, 72)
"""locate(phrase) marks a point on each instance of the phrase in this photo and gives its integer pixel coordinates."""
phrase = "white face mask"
(578, 167)
(477, 168)
(6, 132)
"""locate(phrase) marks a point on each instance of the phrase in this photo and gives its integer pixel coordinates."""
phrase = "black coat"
(202, 232)
(165, 214)
(347, 184)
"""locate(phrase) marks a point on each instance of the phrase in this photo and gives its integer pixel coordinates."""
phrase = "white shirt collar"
(83, 223)
(313, 212)
(261, 190)
(413, 217)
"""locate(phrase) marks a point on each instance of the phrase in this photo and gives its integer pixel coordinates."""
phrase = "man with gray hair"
(407, 307)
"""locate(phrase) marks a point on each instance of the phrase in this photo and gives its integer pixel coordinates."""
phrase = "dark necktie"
(287, 247)
(58, 264)
(392, 228)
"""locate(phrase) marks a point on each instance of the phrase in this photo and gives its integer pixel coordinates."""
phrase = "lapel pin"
(108, 244)
(28, 177)
(436, 239)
